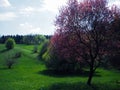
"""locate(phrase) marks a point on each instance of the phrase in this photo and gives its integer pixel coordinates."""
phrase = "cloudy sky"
(30, 16)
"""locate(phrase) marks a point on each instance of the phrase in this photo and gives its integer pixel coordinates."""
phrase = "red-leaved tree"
(82, 34)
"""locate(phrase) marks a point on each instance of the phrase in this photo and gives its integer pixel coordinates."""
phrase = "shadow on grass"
(54, 73)
(80, 86)
(4, 68)
(4, 50)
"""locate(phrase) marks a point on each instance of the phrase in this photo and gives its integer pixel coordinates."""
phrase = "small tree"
(10, 43)
(11, 58)
(10, 62)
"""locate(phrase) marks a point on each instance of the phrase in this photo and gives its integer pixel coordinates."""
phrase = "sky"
(31, 16)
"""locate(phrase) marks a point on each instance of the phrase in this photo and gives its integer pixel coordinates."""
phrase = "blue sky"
(30, 16)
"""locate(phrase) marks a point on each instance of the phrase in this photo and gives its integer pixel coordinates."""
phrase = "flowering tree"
(82, 32)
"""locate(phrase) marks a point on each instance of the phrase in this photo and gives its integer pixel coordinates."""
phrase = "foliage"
(33, 39)
(43, 49)
(17, 38)
(9, 62)
(39, 39)
(83, 31)
(11, 57)
(115, 61)
(10, 43)
(59, 63)
(35, 49)
(17, 55)
(20, 39)
(28, 39)
(115, 36)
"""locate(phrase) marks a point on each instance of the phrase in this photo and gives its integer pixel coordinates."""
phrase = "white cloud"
(4, 3)
(53, 5)
(48, 5)
(35, 30)
(26, 25)
(27, 11)
(115, 2)
(7, 16)
(29, 29)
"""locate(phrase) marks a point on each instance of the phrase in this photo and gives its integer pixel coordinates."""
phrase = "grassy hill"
(30, 74)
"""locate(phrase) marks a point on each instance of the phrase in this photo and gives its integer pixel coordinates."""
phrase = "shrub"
(17, 55)
(43, 49)
(10, 43)
(11, 58)
(115, 61)
(35, 49)
(10, 62)
(111, 61)
(46, 56)
(54, 62)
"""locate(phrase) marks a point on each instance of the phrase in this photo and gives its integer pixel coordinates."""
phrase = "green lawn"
(30, 74)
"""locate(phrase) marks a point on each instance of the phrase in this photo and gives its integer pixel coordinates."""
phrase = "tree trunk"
(90, 75)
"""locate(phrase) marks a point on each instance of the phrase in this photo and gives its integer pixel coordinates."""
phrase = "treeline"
(25, 39)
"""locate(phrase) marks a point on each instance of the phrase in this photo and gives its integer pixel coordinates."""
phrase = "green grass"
(81, 86)
(29, 74)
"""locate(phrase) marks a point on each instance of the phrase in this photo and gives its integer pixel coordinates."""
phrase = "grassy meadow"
(28, 73)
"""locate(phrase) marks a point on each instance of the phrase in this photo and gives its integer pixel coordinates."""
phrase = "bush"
(111, 61)
(54, 62)
(11, 58)
(43, 49)
(10, 62)
(35, 49)
(10, 43)
(115, 61)
(17, 55)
